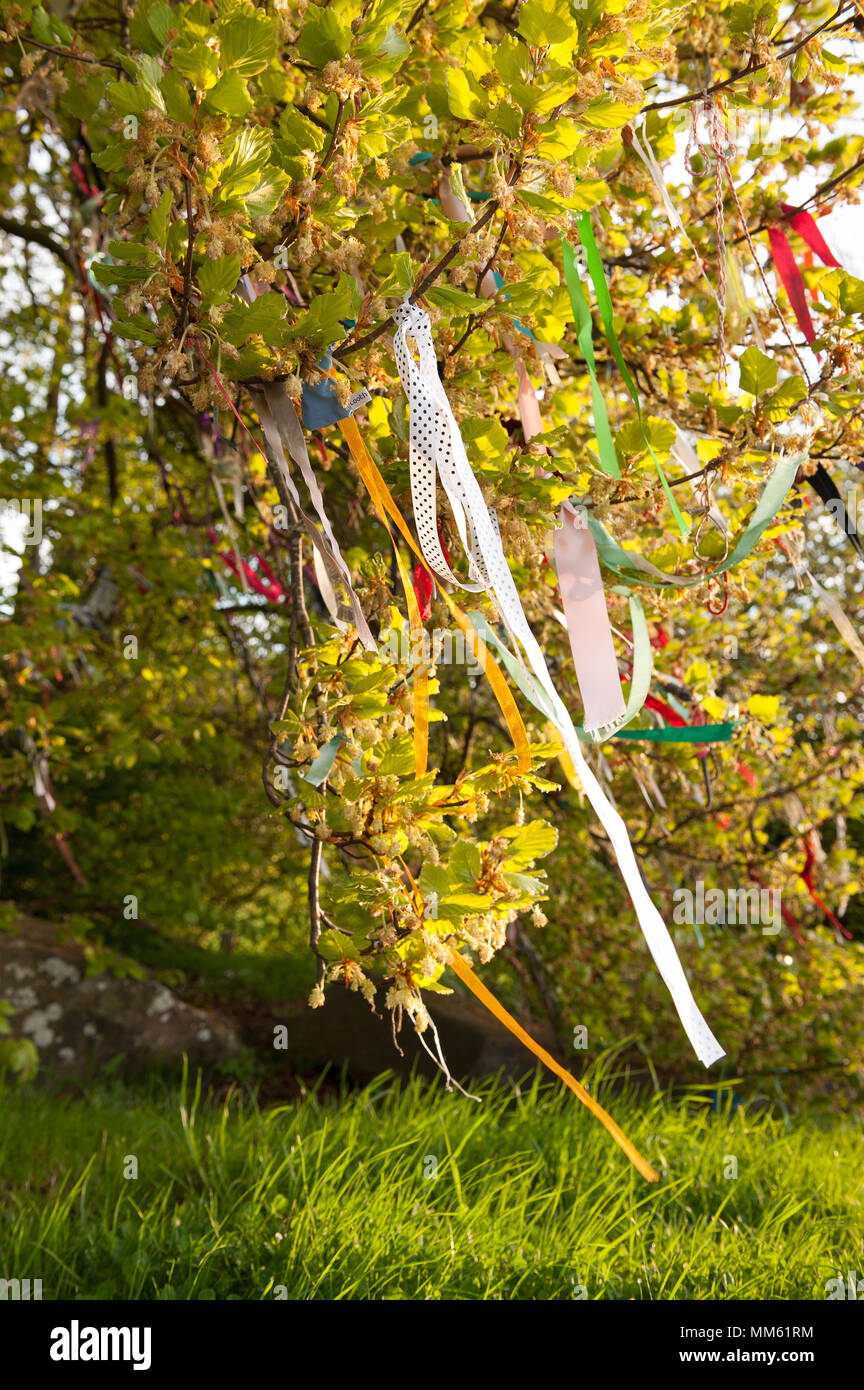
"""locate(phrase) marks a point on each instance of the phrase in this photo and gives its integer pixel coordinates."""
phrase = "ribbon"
(479, 990)
(385, 506)
(640, 683)
(787, 267)
(424, 588)
(604, 304)
(575, 559)
(283, 432)
(824, 486)
(588, 627)
(829, 603)
(805, 225)
(441, 448)
(529, 406)
(839, 619)
(633, 568)
(684, 733)
(649, 159)
(806, 875)
(584, 337)
(271, 589)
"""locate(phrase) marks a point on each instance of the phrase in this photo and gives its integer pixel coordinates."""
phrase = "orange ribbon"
(384, 504)
(470, 980)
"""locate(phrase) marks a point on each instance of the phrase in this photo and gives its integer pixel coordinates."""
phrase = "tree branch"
(39, 237)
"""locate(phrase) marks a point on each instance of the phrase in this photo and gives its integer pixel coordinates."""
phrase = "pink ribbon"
(529, 406)
(584, 605)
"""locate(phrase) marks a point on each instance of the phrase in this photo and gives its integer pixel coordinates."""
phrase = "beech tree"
(211, 214)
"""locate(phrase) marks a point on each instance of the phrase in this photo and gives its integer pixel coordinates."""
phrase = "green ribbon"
(604, 304)
(632, 568)
(584, 332)
(691, 733)
(640, 684)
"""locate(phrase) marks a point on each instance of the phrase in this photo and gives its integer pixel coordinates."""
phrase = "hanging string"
(718, 144)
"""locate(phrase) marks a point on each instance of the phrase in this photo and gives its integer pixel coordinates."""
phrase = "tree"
(214, 211)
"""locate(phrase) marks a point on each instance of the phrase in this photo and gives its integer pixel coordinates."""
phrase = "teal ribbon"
(691, 733)
(322, 766)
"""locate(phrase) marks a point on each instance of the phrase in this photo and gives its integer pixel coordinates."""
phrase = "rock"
(79, 1022)
(344, 1031)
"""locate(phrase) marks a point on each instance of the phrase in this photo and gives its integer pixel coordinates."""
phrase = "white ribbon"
(838, 618)
(437, 450)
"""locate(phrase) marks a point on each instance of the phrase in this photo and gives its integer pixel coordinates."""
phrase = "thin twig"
(315, 907)
(747, 71)
(75, 57)
(425, 284)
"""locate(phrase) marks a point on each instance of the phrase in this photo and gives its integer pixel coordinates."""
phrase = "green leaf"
(605, 113)
(247, 44)
(400, 280)
(131, 100)
(176, 94)
(465, 861)
(112, 158)
(265, 315)
(781, 402)
(512, 59)
(198, 63)
(138, 328)
(758, 372)
(333, 946)
(324, 37)
(466, 97)
(267, 193)
(218, 278)
(161, 19)
(661, 435)
(530, 842)
(434, 879)
(230, 96)
(459, 300)
(558, 139)
(157, 222)
(543, 22)
(398, 761)
(843, 290)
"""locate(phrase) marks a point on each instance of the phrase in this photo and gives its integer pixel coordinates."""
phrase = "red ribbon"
(784, 911)
(786, 265)
(424, 585)
(423, 590)
(806, 875)
(272, 590)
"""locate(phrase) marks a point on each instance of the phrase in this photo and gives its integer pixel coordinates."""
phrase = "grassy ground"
(416, 1193)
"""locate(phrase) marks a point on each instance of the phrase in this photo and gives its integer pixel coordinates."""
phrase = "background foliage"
(150, 154)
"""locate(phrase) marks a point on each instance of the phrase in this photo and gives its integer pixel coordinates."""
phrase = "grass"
(414, 1193)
